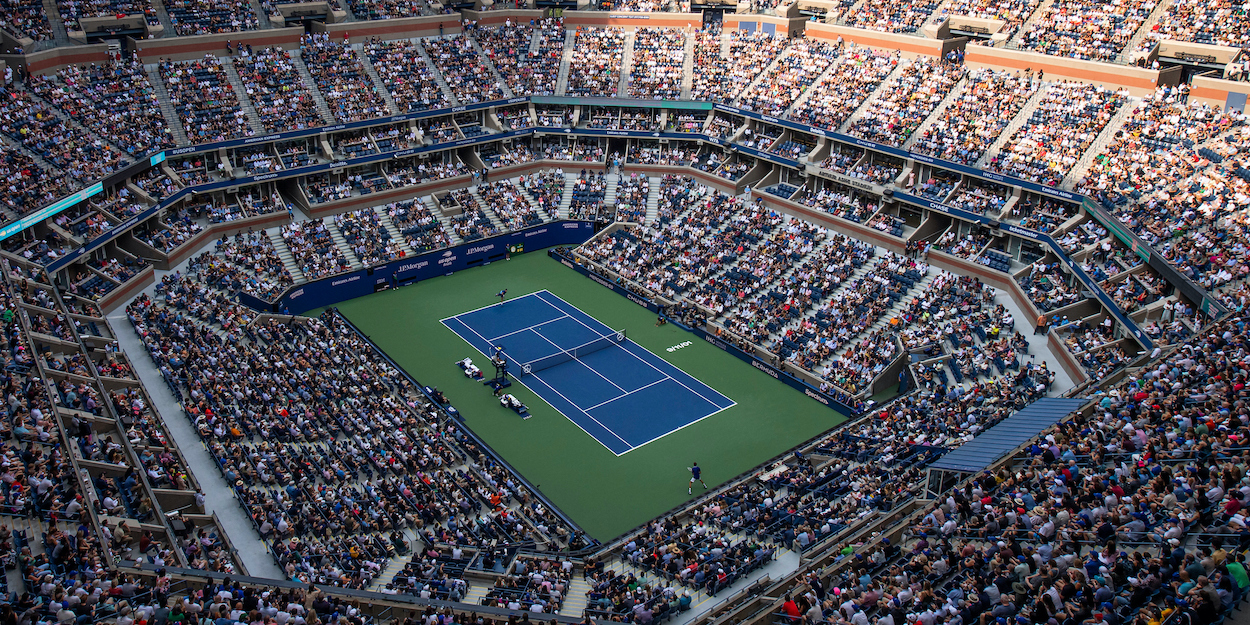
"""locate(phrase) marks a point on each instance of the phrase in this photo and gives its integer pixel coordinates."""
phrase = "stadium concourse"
(848, 239)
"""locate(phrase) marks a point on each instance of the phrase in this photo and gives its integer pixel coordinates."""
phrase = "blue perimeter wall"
(397, 273)
(777, 374)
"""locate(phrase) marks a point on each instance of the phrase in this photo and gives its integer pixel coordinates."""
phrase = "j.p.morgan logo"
(816, 396)
(479, 249)
(410, 266)
(765, 368)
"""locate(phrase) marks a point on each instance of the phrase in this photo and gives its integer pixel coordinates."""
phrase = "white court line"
(579, 360)
(640, 358)
(606, 428)
(682, 427)
(626, 394)
(469, 312)
(537, 394)
(492, 341)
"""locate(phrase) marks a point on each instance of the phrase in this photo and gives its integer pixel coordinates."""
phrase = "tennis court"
(615, 390)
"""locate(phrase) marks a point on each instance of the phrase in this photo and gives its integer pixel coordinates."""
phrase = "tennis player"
(501, 295)
(696, 474)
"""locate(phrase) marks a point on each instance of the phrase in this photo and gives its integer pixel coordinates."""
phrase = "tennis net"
(565, 355)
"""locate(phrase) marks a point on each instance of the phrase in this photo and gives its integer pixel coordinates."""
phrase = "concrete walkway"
(219, 498)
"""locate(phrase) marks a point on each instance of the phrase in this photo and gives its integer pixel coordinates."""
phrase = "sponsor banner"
(606, 283)
(766, 368)
(334, 289)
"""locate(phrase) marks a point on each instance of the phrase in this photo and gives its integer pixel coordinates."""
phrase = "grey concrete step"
(1019, 120)
(345, 248)
(436, 73)
(261, 17)
(284, 252)
(687, 67)
(872, 98)
(245, 102)
(562, 83)
(162, 14)
(59, 35)
(392, 229)
(937, 112)
(323, 107)
(167, 106)
(627, 64)
(490, 65)
(567, 199)
(378, 83)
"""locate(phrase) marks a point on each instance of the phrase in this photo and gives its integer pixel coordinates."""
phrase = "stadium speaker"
(889, 192)
(994, 225)
(179, 527)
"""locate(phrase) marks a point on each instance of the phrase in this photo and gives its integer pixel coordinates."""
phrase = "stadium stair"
(653, 200)
(868, 101)
(162, 14)
(288, 260)
(1159, 11)
(562, 83)
(938, 111)
(609, 192)
(890, 313)
(807, 93)
(490, 65)
(566, 200)
(167, 106)
(1022, 117)
(58, 25)
(486, 208)
(687, 68)
(575, 597)
(344, 247)
(432, 204)
(72, 121)
(323, 107)
(378, 84)
(1015, 40)
(627, 64)
(840, 19)
(438, 75)
(393, 567)
(536, 40)
(236, 83)
(766, 71)
(476, 593)
(782, 278)
(396, 235)
(263, 18)
(1100, 143)
(858, 273)
(43, 164)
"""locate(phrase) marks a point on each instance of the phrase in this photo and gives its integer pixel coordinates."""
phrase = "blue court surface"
(621, 394)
